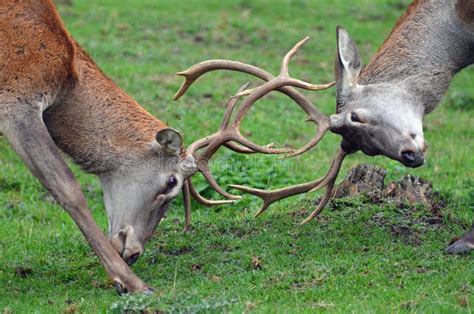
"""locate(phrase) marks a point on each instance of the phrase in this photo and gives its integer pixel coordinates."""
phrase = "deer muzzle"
(126, 243)
(412, 154)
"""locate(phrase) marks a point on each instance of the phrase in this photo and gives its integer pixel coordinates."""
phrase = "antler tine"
(269, 197)
(320, 134)
(322, 203)
(230, 108)
(229, 132)
(203, 167)
(330, 180)
(204, 201)
(290, 54)
(280, 82)
(311, 87)
(327, 181)
(242, 149)
(197, 70)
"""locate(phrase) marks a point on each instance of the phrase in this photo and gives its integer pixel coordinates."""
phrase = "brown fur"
(97, 123)
(465, 10)
(394, 47)
(91, 119)
(53, 94)
(33, 58)
(403, 52)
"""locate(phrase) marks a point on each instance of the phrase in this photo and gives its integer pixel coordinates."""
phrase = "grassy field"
(351, 259)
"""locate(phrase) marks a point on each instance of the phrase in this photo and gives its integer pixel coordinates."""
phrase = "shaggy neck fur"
(430, 43)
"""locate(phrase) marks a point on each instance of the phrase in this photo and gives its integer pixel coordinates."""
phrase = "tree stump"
(368, 180)
(410, 190)
(363, 179)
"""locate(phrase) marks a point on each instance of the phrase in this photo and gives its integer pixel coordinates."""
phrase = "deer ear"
(348, 66)
(170, 141)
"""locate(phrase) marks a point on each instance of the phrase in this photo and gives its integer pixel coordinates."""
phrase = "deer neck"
(430, 43)
(97, 124)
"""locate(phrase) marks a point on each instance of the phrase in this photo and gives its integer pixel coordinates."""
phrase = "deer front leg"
(29, 137)
(465, 244)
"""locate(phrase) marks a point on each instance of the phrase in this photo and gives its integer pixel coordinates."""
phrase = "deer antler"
(229, 134)
(269, 197)
(282, 82)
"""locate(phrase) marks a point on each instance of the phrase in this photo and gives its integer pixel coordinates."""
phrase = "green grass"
(351, 259)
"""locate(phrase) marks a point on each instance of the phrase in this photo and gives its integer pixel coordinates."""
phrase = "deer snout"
(127, 245)
(411, 157)
(420, 143)
(412, 153)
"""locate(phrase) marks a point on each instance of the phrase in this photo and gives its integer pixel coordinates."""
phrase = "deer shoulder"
(36, 62)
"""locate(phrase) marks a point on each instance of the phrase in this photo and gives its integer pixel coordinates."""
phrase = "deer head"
(137, 194)
(378, 119)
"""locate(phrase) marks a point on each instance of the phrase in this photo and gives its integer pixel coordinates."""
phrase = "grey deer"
(380, 107)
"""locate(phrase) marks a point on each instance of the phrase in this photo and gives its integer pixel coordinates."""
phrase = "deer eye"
(355, 118)
(171, 183)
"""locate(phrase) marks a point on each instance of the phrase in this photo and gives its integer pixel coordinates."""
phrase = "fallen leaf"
(257, 263)
(216, 278)
(249, 306)
(463, 301)
(72, 308)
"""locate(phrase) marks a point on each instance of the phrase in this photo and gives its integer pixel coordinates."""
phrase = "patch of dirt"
(23, 271)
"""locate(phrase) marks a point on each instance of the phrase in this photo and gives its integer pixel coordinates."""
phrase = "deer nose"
(130, 255)
(408, 156)
(131, 259)
(412, 158)
(127, 245)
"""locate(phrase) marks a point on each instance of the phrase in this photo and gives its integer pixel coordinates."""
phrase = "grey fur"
(405, 80)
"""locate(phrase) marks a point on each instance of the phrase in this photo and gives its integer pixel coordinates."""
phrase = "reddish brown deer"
(380, 108)
(53, 95)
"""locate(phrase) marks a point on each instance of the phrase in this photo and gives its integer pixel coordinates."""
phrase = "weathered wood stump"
(410, 190)
(363, 179)
(368, 180)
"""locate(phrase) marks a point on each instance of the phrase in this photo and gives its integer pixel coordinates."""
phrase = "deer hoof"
(149, 291)
(460, 246)
(120, 288)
